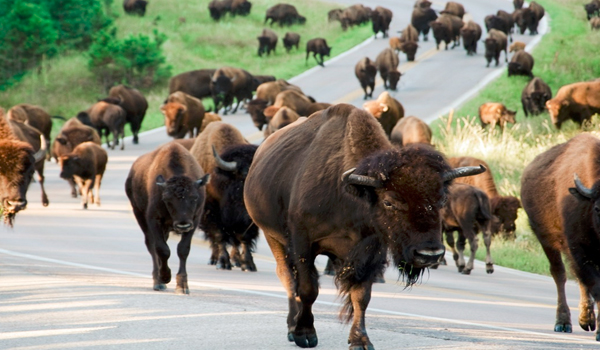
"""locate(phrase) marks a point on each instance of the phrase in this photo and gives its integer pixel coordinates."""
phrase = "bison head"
(410, 49)
(405, 190)
(17, 164)
(508, 116)
(370, 72)
(555, 108)
(71, 164)
(174, 113)
(184, 199)
(256, 108)
(325, 51)
(393, 79)
(505, 210)
(301, 19)
(264, 42)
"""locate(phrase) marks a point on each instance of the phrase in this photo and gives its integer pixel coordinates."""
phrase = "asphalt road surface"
(75, 279)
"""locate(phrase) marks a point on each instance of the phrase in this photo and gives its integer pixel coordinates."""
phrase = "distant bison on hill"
(194, 83)
(267, 42)
(290, 40)
(284, 14)
(135, 7)
(318, 47)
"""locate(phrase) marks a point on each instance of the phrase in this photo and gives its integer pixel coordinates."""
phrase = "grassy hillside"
(569, 53)
(64, 86)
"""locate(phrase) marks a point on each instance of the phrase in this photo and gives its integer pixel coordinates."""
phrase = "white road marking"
(49, 332)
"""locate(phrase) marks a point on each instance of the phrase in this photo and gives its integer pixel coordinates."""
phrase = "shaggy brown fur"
(86, 165)
(228, 83)
(495, 113)
(387, 64)
(135, 105)
(366, 72)
(194, 83)
(284, 14)
(209, 117)
(521, 64)
(33, 116)
(421, 16)
(517, 46)
(387, 110)
(534, 96)
(577, 101)
(470, 33)
(290, 40)
(267, 42)
(268, 91)
(454, 8)
(291, 99)
(380, 19)
(495, 43)
(183, 115)
(410, 130)
(283, 117)
(108, 118)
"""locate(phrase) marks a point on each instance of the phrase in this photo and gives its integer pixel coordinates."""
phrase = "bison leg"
(247, 260)
(305, 335)
(135, 125)
(223, 261)
(329, 270)
(489, 262)
(73, 187)
(236, 258)
(163, 273)
(473, 244)
(460, 247)
(121, 132)
(97, 182)
(41, 178)
(587, 318)
(557, 269)
(360, 296)
(450, 241)
(183, 251)
(86, 189)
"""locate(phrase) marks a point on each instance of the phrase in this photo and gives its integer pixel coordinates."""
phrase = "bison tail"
(485, 213)
(58, 117)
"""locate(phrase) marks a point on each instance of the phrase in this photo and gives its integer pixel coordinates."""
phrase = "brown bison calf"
(183, 115)
(387, 110)
(410, 130)
(387, 64)
(495, 114)
(495, 43)
(467, 211)
(166, 190)
(366, 72)
(267, 42)
(521, 64)
(86, 165)
(534, 96)
(517, 46)
(578, 102)
(290, 40)
(318, 46)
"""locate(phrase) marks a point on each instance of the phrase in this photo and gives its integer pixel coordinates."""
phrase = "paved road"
(73, 279)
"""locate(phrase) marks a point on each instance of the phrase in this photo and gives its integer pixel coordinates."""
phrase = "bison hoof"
(250, 266)
(212, 261)
(309, 340)
(443, 262)
(224, 265)
(461, 268)
(563, 327)
(85, 206)
(368, 346)
(136, 140)
(466, 272)
(587, 321)
(597, 336)
(290, 336)
(182, 290)
(489, 268)
(160, 286)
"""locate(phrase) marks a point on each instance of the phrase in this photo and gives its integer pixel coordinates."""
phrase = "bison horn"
(462, 172)
(584, 191)
(223, 165)
(41, 153)
(160, 181)
(363, 180)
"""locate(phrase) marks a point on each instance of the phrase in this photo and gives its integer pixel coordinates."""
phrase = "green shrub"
(135, 60)
(77, 21)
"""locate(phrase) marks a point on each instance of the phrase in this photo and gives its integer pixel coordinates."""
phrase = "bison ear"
(61, 140)
(160, 181)
(384, 107)
(203, 181)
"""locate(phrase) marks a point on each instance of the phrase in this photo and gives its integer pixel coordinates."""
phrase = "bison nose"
(15, 205)
(428, 256)
(183, 226)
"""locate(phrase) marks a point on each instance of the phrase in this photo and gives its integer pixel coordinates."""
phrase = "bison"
(409, 33)
(219, 8)
(86, 165)
(284, 14)
(134, 104)
(447, 28)
(517, 46)
(282, 118)
(194, 83)
(500, 23)
(529, 18)
(467, 211)
(349, 194)
(267, 42)
(559, 189)
(241, 7)
(381, 18)
(521, 64)
(387, 110)
(410, 130)
(135, 7)
(228, 83)
(290, 40)
(36, 117)
(534, 96)
(420, 19)
(107, 118)
(578, 101)
(226, 155)
(387, 64)
(470, 33)
(334, 15)
(166, 189)
(209, 117)
(592, 9)
(318, 46)
(518, 4)
(454, 8)
(504, 209)
(495, 113)
(495, 43)
(366, 72)
(355, 15)
(18, 161)
(183, 115)
(295, 100)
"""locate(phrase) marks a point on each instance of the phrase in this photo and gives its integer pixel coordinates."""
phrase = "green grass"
(64, 86)
(569, 53)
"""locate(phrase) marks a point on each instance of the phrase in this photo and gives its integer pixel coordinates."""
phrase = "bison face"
(538, 101)
(264, 42)
(174, 118)
(70, 164)
(505, 211)
(326, 51)
(508, 116)
(18, 165)
(410, 49)
(256, 108)
(184, 200)
(554, 107)
(370, 72)
(394, 78)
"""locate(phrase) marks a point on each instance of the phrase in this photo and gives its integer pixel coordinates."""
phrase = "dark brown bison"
(559, 189)
(241, 7)
(387, 110)
(355, 15)
(454, 8)
(18, 161)
(194, 83)
(504, 208)
(219, 8)
(381, 18)
(410, 49)
(531, 17)
(267, 42)
(349, 194)
(495, 113)
(226, 155)
(86, 165)
(228, 83)
(36, 117)
(410, 130)
(534, 96)
(499, 23)
(521, 64)
(470, 33)
(578, 102)
(409, 33)
(268, 91)
(135, 7)
(420, 19)
(366, 72)
(592, 9)
(107, 118)
(183, 115)
(467, 212)
(318, 46)
(134, 104)
(166, 190)
(290, 40)
(507, 17)
(518, 4)
(495, 43)
(284, 117)
(447, 29)
(284, 14)
(387, 64)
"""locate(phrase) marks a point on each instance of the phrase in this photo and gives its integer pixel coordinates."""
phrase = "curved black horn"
(227, 166)
(41, 153)
(584, 191)
(362, 180)
(463, 171)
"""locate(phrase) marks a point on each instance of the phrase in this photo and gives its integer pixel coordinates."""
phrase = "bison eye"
(387, 204)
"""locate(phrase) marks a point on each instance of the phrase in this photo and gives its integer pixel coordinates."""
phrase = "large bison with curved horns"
(560, 191)
(349, 194)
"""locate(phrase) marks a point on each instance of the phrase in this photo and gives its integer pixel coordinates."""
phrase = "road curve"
(73, 279)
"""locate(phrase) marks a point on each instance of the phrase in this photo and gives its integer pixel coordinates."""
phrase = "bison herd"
(353, 184)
